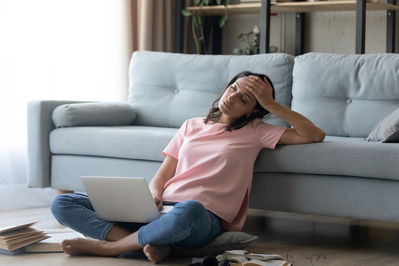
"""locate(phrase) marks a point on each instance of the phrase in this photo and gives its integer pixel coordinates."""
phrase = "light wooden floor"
(344, 242)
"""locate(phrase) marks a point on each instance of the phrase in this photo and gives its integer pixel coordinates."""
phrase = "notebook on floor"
(122, 199)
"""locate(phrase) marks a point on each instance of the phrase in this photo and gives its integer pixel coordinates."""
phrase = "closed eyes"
(234, 89)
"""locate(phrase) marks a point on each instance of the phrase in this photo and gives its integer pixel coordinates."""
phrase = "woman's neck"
(223, 119)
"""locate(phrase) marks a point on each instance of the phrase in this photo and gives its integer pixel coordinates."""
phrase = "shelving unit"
(290, 7)
(301, 8)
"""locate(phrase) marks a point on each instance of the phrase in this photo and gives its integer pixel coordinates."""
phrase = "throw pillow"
(387, 130)
(226, 241)
(93, 114)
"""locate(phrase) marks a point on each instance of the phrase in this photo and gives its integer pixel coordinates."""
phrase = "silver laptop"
(122, 199)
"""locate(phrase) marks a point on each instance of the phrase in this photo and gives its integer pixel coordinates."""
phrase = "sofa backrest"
(165, 89)
(346, 95)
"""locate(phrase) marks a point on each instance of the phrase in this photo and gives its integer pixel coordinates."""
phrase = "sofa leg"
(61, 191)
(359, 234)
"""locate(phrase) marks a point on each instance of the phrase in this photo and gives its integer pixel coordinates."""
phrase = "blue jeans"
(188, 224)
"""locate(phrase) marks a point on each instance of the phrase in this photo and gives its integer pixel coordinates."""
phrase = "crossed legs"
(189, 224)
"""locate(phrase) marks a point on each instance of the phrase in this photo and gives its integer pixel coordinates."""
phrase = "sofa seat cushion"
(128, 142)
(335, 156)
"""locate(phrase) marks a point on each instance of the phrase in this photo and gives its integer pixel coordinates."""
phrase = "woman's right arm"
(164, 174)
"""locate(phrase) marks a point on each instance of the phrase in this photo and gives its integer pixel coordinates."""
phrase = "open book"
(15, 237)
(245, 258)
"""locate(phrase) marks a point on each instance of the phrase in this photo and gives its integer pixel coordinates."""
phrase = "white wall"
(55, 50)
(328, 32)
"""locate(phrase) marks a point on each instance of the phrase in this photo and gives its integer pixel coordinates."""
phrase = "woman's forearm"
(302, 126)
(165, 172)
(156, 189)
(303, 131)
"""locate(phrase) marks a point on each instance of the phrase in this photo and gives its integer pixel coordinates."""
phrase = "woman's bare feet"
(78, 246)
(82, 246)
(157, 254)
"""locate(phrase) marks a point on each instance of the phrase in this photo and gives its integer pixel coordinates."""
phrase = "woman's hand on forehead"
(261, 89)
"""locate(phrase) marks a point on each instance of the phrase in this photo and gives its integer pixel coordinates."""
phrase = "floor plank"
(344, 242)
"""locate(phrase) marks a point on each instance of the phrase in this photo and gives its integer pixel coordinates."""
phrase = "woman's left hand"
(158, 202)
(261, 89)
(303, 131)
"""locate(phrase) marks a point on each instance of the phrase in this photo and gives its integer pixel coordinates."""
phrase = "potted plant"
(252, 39)
(197, 21)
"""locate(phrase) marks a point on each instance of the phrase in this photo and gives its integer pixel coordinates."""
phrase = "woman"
(207, 174)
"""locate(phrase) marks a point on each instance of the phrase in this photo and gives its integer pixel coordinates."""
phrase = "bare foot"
(78, 246)
(157, 254)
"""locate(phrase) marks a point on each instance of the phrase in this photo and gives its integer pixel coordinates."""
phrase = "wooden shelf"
(288, 7)
(300, 8)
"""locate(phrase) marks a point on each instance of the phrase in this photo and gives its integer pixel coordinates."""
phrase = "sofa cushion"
(166, 94)
(346, 95)
(129, 142)
(387, 130)
(93, 114)
(335, 156)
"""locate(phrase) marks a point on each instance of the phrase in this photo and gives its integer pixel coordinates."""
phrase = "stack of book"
(15, 237)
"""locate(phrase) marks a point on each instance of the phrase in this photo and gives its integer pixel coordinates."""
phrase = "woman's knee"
(63, 206)
(191, 210)
(59, 203)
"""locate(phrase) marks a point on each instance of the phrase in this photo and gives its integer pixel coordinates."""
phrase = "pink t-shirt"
(216, 169)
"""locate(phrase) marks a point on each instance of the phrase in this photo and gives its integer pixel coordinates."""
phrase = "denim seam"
(140, 242)
(106, 230)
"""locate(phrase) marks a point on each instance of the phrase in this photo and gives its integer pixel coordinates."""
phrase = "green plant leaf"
(199, 47)
(219, 2)
(197, 2)
(273, 49)
(186, 13)
(222, 21)
(197, 20)
(227, 22)
(236, 51)
(206, 2)
(240, 36)
(226, 2)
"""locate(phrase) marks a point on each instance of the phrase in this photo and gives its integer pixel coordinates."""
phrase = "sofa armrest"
(40, 124)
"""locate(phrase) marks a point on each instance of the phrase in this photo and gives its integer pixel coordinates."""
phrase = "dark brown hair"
(214, 113)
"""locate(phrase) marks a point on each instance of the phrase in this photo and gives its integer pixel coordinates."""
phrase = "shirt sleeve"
(268, 134)
(174, 145)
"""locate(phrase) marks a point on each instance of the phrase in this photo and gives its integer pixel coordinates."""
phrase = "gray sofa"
(345, 95)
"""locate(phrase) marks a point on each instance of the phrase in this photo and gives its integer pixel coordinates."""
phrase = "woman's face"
(236, 102)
